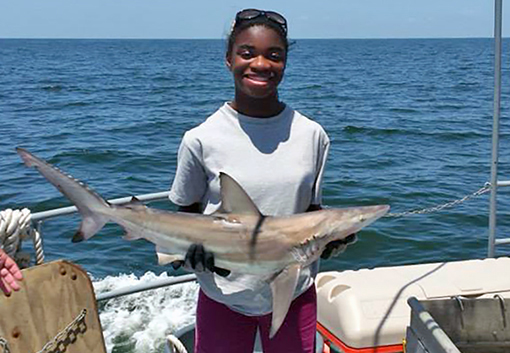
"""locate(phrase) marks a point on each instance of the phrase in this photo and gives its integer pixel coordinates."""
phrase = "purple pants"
(219, 329)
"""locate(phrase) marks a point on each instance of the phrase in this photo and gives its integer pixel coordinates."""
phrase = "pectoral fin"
(283, 287)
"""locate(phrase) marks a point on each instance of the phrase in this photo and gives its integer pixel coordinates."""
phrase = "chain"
(63, 339)
(67, 336)
(4, 345)
(450, 204)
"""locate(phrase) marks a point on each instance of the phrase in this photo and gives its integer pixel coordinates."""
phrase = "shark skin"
(241, 238)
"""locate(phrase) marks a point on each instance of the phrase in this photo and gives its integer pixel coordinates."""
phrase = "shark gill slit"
(254, 236)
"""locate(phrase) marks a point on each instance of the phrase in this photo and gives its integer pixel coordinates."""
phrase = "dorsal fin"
(234, 199)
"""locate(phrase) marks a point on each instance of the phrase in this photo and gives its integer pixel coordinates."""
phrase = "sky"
(176, 19)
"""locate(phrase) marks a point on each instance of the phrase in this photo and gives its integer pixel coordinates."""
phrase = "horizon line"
(222, 39)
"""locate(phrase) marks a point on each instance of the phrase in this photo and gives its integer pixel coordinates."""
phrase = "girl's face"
(257, 62)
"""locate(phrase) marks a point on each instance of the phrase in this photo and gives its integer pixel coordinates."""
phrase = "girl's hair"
(258, 21)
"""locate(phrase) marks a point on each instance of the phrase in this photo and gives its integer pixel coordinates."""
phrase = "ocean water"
(410, 123)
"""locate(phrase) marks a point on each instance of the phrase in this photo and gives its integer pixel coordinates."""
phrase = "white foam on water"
(140, 322)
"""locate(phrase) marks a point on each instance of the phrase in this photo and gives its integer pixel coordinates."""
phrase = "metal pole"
(495, 127)
(72, 209)
(145, 286)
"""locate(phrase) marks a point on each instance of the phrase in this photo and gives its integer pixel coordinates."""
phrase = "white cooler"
(366, 310)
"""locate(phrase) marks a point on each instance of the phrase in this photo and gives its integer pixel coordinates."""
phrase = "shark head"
(330, 224)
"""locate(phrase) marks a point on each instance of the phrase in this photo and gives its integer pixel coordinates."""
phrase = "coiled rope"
(16, 226)
(174, 345)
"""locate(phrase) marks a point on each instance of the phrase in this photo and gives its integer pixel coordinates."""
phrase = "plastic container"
(366, 310)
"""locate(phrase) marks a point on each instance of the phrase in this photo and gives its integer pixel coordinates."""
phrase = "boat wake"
(140, 322)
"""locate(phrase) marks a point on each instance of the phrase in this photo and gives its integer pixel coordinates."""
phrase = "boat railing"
(39, 217)
(155, 284)
(44, 215)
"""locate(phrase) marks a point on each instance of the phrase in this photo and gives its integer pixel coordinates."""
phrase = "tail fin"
(92, 207)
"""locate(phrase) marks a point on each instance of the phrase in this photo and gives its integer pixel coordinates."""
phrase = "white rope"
(14, 226)
(38, 246)
(175, 345)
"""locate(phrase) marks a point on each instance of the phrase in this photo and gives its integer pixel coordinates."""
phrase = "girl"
(278, 157)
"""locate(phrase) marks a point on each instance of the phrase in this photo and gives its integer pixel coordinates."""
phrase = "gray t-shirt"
(279, 162)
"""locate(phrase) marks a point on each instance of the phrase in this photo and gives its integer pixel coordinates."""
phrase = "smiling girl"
(277, 155)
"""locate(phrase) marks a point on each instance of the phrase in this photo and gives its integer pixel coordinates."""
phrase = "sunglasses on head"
(250, 14)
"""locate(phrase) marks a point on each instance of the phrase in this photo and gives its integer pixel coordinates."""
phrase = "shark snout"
(350, 220)
(371, 213)
(381, 210)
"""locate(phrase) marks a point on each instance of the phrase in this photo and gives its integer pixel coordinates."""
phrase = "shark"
(241, 238)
